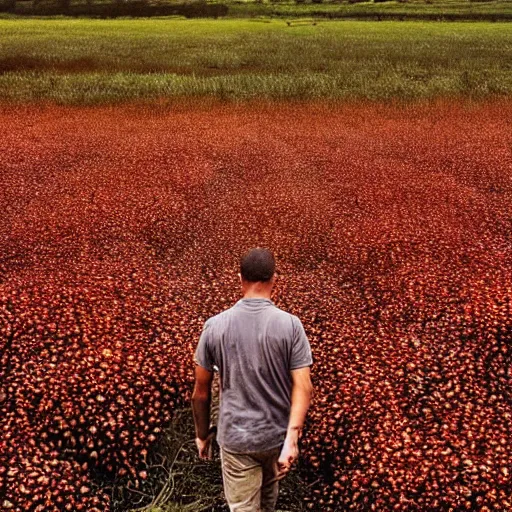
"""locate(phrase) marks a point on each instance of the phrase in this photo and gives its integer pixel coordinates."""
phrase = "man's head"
(257, 268)
(257, 265)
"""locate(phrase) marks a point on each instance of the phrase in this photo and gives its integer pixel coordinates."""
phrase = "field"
(140, 158)
(105, 61)
(121, 231)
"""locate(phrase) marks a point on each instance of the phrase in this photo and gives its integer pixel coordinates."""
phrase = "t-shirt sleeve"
(203, 356)
(301, 350)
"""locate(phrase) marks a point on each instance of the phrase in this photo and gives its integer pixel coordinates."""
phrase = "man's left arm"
(302, 391)
(201, 399)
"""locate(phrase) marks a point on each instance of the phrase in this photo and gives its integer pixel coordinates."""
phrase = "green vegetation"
(84, 61)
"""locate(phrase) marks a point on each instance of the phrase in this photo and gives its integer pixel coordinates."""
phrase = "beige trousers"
(250, 483)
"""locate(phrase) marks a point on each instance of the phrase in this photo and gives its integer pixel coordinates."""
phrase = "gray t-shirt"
(254, 345)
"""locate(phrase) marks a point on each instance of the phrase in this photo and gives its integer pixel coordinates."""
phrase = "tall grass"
(96, 61)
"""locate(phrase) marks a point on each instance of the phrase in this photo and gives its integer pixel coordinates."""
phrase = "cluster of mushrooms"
(395, 256)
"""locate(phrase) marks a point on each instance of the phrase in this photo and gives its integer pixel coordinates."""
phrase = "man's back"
(254, 345)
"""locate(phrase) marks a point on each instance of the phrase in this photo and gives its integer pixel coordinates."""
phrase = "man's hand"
(204, 446)
(289, 454)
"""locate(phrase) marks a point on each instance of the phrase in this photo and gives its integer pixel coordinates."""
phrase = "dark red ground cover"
(121, 229)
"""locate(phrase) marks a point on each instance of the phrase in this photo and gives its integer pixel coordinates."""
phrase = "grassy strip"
(98, 88)
(99, 61)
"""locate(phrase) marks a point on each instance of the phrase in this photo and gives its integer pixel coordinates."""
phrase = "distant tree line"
(115, 8)
(203, 9)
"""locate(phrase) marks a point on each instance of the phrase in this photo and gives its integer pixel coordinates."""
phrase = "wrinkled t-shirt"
(254, 345)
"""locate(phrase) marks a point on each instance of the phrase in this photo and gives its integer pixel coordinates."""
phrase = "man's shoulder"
(219, 317)
(284, 321)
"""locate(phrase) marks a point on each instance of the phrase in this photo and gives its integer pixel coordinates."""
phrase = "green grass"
(84, 61)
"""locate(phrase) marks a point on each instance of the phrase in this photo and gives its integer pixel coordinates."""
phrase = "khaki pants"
(250, 483)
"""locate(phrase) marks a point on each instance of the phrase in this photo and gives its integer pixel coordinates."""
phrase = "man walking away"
(263, 358)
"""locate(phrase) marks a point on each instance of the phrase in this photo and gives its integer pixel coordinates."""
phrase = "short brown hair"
(257, 265)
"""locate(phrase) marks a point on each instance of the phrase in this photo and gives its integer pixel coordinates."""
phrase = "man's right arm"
(201, 396)
(302, 391)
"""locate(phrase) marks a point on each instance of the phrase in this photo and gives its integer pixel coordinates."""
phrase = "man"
(263, 357)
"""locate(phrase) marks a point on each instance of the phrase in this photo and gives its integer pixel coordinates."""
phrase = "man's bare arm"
(302, 391)
(201, 398)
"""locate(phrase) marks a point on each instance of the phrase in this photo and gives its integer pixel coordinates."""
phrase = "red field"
(121, 230)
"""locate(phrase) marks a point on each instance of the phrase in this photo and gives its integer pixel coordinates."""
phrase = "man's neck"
(256, 295)
(256, 290)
